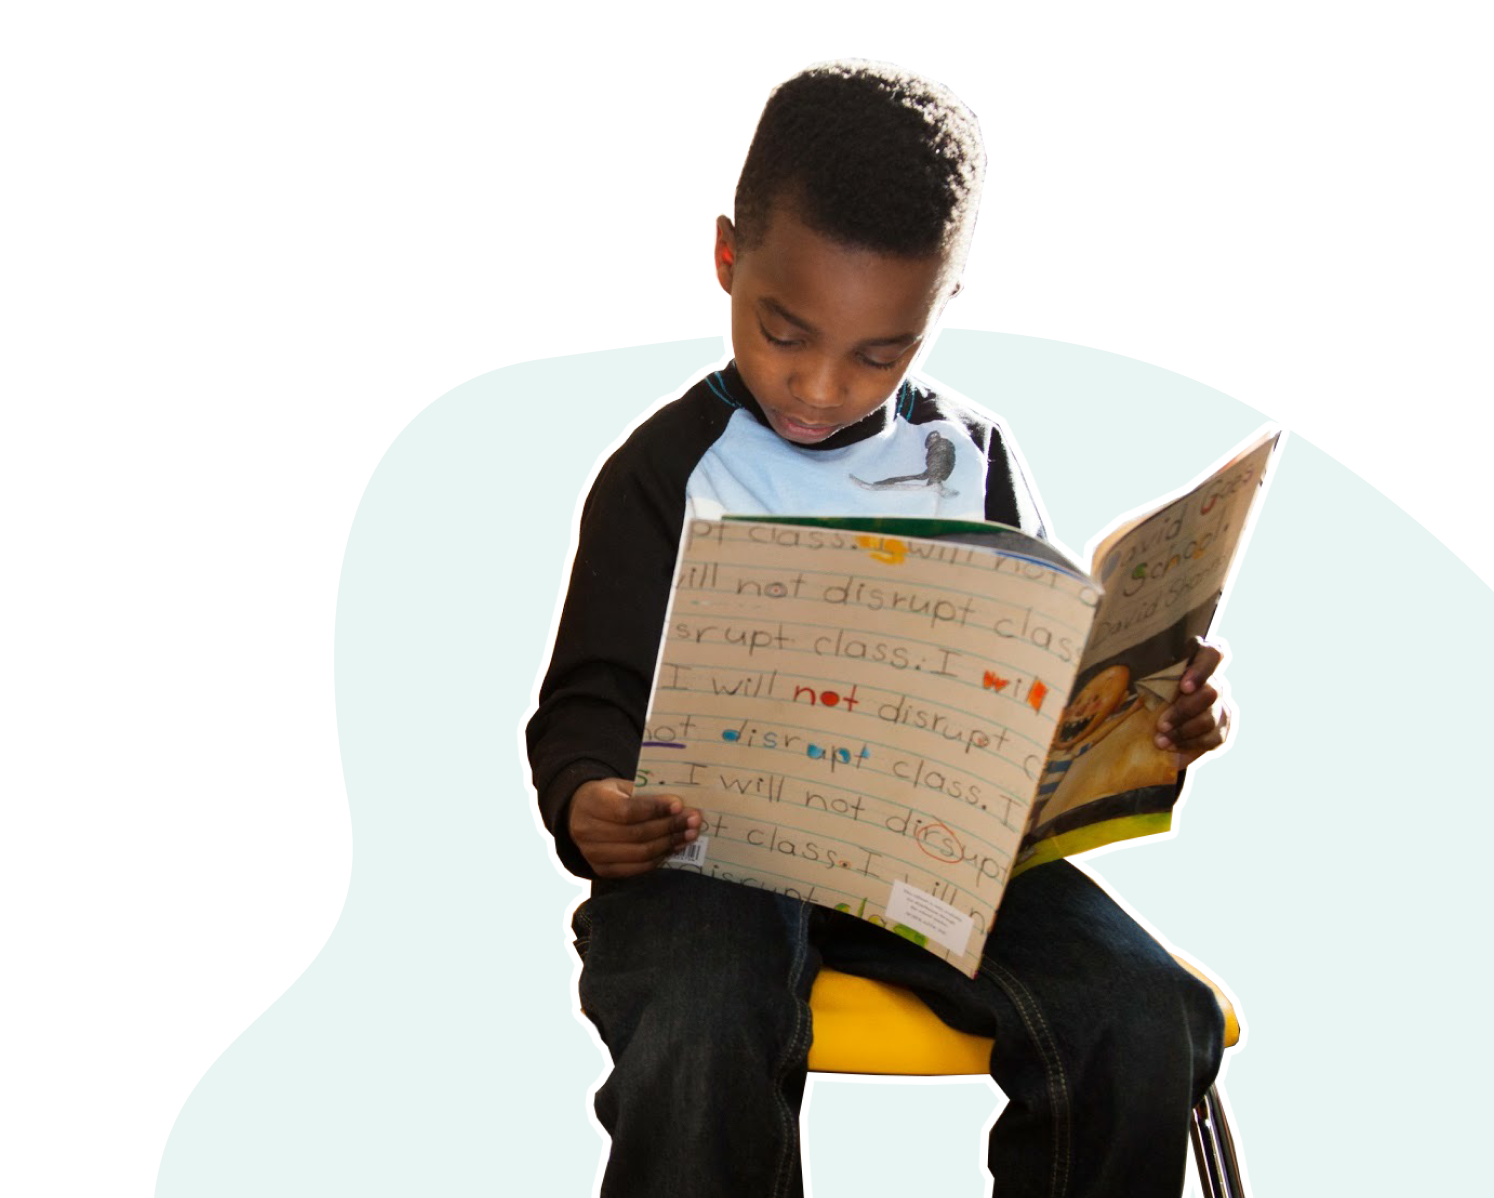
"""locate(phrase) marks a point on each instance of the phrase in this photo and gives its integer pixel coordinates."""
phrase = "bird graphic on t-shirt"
(938, 465)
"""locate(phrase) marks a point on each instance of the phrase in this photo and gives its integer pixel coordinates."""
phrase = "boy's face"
(823, 333)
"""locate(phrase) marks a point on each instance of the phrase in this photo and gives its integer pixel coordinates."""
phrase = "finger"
(1199, 723)
(603, 823)
(1201, 734)
(602, 795)
(611, 859)
(666, 827)
(600, 825)
(637, 809)
(1206, 731)
(1187, 755)
(628, 853)
(686, 826)
(1207, 657)
(1187, 707)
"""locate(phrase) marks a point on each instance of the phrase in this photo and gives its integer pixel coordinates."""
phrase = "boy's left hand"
(1199, 718)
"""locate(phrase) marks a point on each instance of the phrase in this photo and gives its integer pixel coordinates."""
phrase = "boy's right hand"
(621, 833)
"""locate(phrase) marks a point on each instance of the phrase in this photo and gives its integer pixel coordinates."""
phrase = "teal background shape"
(1320, 868)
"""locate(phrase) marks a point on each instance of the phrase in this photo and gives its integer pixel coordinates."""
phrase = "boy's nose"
(816, 384)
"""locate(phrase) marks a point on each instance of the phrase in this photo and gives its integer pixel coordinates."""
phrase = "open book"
(892, 717)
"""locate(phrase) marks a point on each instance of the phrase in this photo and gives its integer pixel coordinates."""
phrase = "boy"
(853, 215)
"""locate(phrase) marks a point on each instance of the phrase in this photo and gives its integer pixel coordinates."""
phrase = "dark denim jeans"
(699, 989)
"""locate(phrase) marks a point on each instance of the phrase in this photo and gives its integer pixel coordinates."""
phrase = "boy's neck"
(900, 403)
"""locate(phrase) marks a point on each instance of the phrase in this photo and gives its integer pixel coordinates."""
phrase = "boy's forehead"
(795, 264)
(788, 238)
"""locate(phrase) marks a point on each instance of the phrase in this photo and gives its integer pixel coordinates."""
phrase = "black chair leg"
(1214, 1149)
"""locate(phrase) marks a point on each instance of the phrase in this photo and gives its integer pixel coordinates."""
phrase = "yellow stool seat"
(861, 1026)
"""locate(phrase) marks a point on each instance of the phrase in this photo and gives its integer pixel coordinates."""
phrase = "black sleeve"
(1010, 496)
(589, 720)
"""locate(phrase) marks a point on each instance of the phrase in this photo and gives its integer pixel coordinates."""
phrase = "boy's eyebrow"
(800, 323)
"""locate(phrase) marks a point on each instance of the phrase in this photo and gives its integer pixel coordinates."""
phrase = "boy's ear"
(726, 252)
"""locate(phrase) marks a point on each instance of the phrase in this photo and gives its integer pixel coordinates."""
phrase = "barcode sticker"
(693, 853)
(937, 920)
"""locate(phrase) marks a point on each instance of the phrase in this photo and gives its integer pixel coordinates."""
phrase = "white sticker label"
(937, 920)
(692, 853)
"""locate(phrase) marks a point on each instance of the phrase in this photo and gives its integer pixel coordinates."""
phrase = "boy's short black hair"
(867, 154)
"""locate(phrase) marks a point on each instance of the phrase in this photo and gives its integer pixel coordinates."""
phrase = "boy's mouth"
(797, 430)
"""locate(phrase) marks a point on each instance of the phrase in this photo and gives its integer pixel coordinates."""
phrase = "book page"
(862, 718)
(1164, 575)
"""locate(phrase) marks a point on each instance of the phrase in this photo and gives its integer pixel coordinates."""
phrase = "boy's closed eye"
(863, 358)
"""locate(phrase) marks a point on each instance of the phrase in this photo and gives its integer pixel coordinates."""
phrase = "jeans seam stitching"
(800, 1032)
(1058, 1088)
